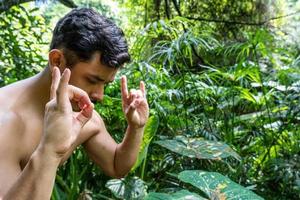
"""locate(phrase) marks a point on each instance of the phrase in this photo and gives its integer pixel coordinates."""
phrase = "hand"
(134, 104)
(61, 125)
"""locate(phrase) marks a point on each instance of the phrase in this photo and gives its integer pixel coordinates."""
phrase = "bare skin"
(22, 114)
(61, 128)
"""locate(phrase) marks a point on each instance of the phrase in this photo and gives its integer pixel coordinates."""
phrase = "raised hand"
(61, 125)
(134, 104)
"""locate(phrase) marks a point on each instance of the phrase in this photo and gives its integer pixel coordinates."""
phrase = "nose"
(97, 94)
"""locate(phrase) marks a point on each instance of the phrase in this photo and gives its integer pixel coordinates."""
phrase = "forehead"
(94, 67)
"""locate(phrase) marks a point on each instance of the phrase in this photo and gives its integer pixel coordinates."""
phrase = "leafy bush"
(22, 40)
(224, 110)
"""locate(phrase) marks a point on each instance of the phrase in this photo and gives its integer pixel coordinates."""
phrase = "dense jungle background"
(223, 81)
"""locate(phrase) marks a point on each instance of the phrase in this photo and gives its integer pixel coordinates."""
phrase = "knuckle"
(49, 106)
(140, 93)
(85, 93)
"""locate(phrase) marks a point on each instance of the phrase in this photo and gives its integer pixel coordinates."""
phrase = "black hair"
(82, 32)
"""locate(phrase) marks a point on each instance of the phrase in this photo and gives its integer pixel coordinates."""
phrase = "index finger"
(55, 81)
(79, 96)
(143, 88)
(124, 89)
(62, 95)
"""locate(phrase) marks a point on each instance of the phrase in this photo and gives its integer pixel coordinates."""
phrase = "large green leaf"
(199, 148)
(150, 131)
(127, 188)
(217, 186)
(180, 195)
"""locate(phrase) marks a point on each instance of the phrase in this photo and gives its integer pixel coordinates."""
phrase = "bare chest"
(33, 134)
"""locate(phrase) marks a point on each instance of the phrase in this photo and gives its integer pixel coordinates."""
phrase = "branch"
(243, 23)
(68, 3)
(7, 4)
(177, 8)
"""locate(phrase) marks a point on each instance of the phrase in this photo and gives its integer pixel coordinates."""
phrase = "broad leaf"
(180, 195)
(127, 188)
(217, 186)
(199, 148)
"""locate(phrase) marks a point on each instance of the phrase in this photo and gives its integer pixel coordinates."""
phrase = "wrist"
(46, 154)
(135, 129)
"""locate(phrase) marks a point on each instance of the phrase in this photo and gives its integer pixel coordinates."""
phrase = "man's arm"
(37, 179)
(116, 160)
(61, 129)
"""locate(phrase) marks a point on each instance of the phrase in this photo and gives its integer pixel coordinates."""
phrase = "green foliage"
(239, 93)
(214, 86)
(128, 188)
(198, 148)
(212, 184)
(216, 186)
(21, 42)
(180, 195)
(149, 133)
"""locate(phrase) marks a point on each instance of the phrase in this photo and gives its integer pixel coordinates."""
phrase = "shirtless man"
(93, 49)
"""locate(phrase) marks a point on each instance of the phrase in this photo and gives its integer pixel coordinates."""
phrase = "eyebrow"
(99, 79)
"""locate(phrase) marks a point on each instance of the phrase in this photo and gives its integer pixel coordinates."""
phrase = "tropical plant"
(223, 90)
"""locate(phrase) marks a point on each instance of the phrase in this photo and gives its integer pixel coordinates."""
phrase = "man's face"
(92, 76)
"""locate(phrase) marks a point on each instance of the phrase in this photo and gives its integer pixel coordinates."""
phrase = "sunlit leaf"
(180, 195)
(199, 148)
(217, 186)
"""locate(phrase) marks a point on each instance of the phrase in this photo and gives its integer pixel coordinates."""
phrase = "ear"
(56, 58)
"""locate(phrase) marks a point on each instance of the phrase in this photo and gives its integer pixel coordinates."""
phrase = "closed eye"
(92, 81)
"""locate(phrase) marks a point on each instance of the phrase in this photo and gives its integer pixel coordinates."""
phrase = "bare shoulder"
(12, 126)
(9, 94)
(10, 119)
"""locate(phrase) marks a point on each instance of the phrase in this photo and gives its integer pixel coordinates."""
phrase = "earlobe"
(56, 59)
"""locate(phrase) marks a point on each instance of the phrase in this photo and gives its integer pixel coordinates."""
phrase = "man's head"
(84, 40)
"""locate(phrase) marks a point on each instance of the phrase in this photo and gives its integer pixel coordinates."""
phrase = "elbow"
(117, 175)
(120, 170)
(121, 175)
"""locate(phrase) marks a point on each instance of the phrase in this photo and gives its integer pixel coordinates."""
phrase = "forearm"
(36, 180)
(127, 151)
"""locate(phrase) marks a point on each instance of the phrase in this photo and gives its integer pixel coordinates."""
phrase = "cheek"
(80, 83)
(74, 80)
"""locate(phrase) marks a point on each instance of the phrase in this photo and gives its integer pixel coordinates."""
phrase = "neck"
(41, 84)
